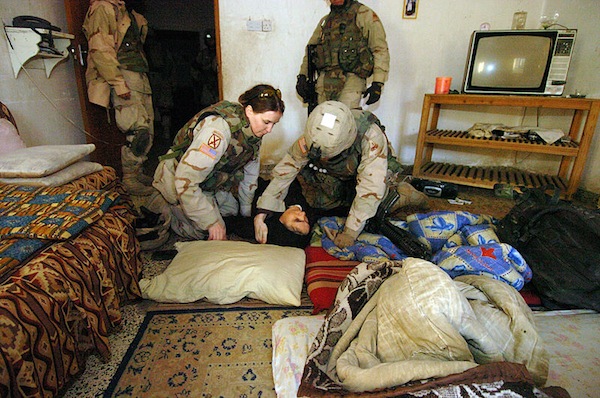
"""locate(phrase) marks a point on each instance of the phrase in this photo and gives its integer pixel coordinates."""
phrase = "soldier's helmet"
(330, 129)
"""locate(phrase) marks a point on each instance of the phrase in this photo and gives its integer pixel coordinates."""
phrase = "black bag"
(561, 243)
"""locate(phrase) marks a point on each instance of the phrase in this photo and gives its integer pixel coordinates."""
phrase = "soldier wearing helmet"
(345, 159)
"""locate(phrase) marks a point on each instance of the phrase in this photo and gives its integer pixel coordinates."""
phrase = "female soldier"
(211, 170)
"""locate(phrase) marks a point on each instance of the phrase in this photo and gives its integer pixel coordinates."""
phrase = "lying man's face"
(295, 220)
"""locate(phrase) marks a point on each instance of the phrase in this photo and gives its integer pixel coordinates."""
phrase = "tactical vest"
(131, 52)
(342, 44)
(345, 165)
(229, 170)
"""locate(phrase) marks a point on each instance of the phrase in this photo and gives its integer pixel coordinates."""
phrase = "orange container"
(442, 85)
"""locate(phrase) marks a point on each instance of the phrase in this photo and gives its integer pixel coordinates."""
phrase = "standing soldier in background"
(205, 72)
(350, 47)
(117, 73)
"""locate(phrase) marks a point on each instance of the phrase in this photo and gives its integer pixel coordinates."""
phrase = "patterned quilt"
(462, 243)
(82, 264)
(32, 218)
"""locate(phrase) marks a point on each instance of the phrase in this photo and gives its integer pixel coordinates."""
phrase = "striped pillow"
(323, 275)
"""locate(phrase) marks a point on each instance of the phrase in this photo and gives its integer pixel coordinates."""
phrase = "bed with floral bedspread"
(69, 260)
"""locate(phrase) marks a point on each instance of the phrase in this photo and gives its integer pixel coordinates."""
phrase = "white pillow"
(68, 174)
(224, 272)
(42, 160)
(9, 137)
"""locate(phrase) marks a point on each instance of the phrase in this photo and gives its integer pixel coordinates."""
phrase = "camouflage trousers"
(347, 88)
(136, 114)
(186, 228)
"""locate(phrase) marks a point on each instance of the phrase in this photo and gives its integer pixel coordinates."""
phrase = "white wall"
(46, 109)
(433, 44)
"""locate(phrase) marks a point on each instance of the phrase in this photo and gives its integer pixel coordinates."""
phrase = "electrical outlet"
(254, 26)
(267, 25)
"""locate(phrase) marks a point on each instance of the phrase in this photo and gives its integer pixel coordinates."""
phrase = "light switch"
(254, 26)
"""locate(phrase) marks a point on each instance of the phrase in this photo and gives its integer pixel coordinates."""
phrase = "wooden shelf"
(487, 177)
(572, 152)
(23, 48)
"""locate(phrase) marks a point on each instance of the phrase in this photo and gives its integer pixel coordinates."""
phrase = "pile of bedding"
(397, 323)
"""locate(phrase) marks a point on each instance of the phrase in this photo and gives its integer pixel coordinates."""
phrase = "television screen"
(511, 62)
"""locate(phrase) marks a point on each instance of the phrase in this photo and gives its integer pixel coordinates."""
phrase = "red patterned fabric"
(323, 275)
(63, 303)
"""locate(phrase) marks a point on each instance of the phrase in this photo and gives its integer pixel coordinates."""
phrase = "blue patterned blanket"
(462, 243)
(32, 218)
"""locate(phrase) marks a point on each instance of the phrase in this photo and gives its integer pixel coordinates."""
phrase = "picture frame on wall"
(410, 9)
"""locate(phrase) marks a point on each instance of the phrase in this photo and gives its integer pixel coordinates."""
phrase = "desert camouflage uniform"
(215, 158)
(117, 65)
(357, 177)
(354, 29)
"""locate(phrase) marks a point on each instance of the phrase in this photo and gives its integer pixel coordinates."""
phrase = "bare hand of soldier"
(373, 92)
(345, 239)
(261, 230)
(217, 232)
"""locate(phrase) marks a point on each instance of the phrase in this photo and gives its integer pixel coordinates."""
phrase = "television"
(524, 62)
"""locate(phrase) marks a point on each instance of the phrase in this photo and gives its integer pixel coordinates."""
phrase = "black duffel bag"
(561, 243)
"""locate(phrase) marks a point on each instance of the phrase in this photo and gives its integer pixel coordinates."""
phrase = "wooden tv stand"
(573, 154)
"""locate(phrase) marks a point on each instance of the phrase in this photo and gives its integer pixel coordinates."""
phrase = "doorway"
(177, 42)
(188, 18)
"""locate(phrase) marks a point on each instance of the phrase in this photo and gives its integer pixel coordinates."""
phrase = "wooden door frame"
(218, 34)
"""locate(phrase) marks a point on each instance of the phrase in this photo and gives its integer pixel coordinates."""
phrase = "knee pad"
(139, 141)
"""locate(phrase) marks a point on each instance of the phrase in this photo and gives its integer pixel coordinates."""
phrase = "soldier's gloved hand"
(346, 238)
(374, 93)
(260, 228)
(302, 87)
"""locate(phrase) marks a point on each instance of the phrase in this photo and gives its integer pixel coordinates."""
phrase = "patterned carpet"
(203, 352)
(572, 339)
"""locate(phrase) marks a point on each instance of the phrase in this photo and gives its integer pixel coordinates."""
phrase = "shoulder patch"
(214, 141)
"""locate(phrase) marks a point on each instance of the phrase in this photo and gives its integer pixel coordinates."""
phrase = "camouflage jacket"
(372, 31)
(105, 26)
(219, 153)
(365, 165)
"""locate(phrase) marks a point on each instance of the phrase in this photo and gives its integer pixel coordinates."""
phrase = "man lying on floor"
(289, 228)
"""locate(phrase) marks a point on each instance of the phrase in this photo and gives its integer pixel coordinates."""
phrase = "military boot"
(409, 196)
(133, 174)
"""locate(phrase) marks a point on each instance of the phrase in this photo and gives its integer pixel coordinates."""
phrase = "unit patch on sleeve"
(302, 145)
(214, 141)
